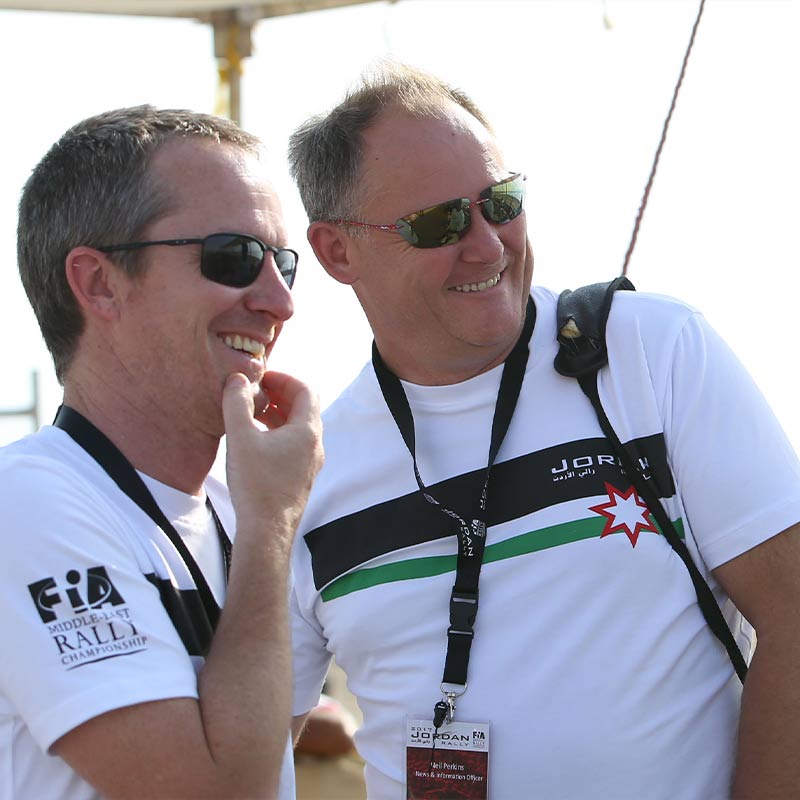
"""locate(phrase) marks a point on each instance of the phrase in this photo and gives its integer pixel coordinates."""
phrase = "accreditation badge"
(452, 766)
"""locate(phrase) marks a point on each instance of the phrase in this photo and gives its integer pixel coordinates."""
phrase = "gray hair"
(93, 188)
(325, 152)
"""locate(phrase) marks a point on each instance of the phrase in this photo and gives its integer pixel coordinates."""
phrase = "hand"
(270, 472)
(328, 730)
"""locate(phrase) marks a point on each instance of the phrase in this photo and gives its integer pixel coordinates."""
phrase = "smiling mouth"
(478, 287)
(245, 345)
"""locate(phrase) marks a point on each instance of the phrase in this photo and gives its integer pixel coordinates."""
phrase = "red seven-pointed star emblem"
(625, 513)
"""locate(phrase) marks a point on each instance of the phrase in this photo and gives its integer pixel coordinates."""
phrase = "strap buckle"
(463, 610)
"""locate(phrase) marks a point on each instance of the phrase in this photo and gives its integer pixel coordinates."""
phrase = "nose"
(269, 292)
(482, 242)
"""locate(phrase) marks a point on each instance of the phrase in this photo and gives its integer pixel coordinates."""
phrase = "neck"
(435, 364)
(428, 364)
(156, 444)
(430, 372)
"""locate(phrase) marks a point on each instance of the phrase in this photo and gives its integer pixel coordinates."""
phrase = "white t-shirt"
(591, 659)
(81, 577)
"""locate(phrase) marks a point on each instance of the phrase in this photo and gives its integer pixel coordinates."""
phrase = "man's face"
(180, 334)
(430, 323)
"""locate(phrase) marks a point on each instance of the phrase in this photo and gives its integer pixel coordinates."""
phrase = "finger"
(283, 385)
(272, 417)
(237, 404)
(290, 397)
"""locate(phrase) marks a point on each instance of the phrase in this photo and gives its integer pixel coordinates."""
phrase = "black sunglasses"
(446, 223)
(232, 259)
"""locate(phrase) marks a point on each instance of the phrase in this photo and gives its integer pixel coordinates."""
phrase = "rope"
(653, 169)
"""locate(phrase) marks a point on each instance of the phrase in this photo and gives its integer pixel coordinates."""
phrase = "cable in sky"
(664, 129)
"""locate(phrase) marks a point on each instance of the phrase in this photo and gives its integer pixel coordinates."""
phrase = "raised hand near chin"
(270, 472)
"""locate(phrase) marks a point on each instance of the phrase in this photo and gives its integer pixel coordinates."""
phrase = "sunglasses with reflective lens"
(448, 222)
(232, 259)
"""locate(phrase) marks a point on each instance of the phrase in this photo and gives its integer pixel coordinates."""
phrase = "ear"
(94, 281)
(331, 245)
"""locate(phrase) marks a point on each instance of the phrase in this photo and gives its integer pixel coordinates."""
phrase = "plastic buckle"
(463, 610)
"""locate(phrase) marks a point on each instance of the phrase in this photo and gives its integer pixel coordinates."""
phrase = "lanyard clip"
(444, 710)
(451, 706)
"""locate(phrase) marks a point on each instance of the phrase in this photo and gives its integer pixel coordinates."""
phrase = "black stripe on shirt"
(517, 488)
(187, 613)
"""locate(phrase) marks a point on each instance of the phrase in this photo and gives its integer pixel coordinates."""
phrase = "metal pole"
(32, 410)
(233, 42)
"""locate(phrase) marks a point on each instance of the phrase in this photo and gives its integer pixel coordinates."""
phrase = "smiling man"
(147, 650)
(462, 471)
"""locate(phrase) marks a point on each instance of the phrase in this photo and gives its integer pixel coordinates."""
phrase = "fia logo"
(95, 591)
(479, 739)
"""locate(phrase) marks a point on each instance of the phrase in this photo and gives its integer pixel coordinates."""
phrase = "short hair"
(326, 152)
(93, 188)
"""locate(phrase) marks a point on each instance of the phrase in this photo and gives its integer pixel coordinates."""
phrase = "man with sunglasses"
(153, 250)
(472, 554)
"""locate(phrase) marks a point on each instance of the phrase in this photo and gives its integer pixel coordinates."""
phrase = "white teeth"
(478, 287)
(245, 344)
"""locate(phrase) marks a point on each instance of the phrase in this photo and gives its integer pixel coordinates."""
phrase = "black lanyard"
(471, 527)
(108, 456)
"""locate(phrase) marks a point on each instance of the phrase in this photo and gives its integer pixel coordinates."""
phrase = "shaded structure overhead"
(198, 9)
(232, 20)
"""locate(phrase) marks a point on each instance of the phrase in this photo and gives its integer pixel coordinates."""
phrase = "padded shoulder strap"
(582, 316)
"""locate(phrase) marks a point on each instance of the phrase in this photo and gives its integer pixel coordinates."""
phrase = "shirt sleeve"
(735, 469)
(84, 631)
(310, 658)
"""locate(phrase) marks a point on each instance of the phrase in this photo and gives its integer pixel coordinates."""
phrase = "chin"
(260, 398)
(500, 320)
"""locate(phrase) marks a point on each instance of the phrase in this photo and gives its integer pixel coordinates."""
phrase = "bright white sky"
(578, 105)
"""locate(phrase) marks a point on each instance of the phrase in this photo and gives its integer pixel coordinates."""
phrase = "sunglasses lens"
(286, 261)
(436, 226)
(447, 222)
(504, 200)
(231, 259)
